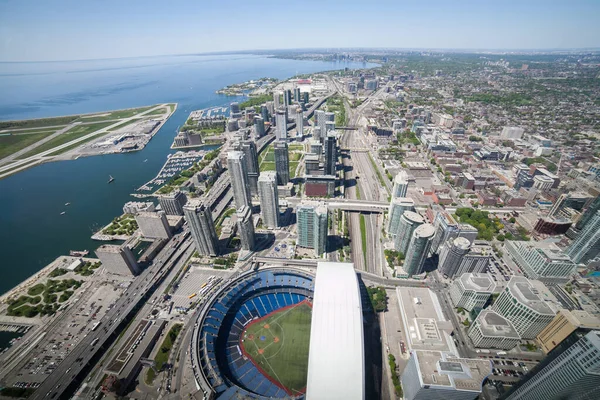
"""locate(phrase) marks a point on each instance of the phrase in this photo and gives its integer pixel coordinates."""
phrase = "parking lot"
(192, 283)
(509, 371)
(87, 307)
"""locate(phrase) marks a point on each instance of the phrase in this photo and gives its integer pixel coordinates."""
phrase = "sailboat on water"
(110, 179)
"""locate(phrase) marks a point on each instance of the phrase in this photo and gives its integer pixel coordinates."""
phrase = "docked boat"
(79, 253)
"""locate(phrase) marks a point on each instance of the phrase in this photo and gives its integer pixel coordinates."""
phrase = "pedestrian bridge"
(358, 205)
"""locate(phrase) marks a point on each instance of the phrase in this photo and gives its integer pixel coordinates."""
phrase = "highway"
(65, 377)
(359, 169)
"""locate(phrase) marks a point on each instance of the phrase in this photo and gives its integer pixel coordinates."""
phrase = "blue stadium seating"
(239, 305)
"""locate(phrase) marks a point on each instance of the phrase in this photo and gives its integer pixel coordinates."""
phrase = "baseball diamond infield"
(278, 343)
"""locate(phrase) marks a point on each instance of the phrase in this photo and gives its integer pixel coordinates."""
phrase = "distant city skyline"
(71, 30)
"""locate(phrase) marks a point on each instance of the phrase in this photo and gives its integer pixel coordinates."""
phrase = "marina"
(213, 112)
(175, 163)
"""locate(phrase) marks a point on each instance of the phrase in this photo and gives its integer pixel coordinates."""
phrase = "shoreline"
(63, 157)
(84, 114)
(68, 156)
(32, 279)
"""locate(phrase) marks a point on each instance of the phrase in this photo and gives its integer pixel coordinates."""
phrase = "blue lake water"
(32, 231)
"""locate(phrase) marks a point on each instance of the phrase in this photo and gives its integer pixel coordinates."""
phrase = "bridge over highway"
(350, 205)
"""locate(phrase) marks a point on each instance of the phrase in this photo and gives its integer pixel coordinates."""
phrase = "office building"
(553, 225)
(269, 199)
(316, 147)
(281, 125)
(569, 372)
(259, 126)
(287, 97)
(576, 201)
(398, 206)
(587, 244)
(476, 260)
(311, 164)
(564, 324)
(323, 125)
(418, 249)
(523, 303)
(491, 330)
(236, 163)
(589, 213)
(329, 127)
(447, 228)
(511, 132)
(118, 259)
(276, 99)
(248, 147)
(409, 221)
(317, 133)
(134, 207)
(451, 256)
(245, 228)
(330, 154)
(400, 184)
(172, 203)
(470, 291)
(542, 182)
(434, 371)
(312, 224)
(543, 261)
(282, 162)
(234, 108)
(370, 84)
(299, 121)
(202, 227)
(153, 225)
(436, 375)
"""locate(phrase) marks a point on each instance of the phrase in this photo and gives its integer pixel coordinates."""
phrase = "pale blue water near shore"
(32, 231)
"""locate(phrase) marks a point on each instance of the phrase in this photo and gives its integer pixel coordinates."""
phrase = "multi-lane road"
(66, 376)
(359, 170)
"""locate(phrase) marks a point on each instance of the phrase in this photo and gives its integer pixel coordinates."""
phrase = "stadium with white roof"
(336, 361)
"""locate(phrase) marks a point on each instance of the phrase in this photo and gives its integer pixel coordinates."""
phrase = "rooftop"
(336, 355)
(413, 217)
(439, 369)
(494, 324)
(531, 293)
(424, 323)
(478, 282)
(425, 231)
(582, 319)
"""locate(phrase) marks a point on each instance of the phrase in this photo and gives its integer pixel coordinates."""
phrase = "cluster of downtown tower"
(248, 182)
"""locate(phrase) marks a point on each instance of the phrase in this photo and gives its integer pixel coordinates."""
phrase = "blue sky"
(87, 29)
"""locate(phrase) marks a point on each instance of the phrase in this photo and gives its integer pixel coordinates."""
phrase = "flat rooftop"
(336, 354)
(582, 318)
(478, 282)
(494, 324)
(531, 293)
(439, 369)
(424, 323)
(136, 344)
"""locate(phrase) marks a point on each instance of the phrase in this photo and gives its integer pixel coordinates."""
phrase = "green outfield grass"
(279, 345)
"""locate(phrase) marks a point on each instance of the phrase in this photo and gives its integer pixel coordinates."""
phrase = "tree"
(500, 237)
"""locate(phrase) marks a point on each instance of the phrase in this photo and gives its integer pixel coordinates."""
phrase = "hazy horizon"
(65, 30)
